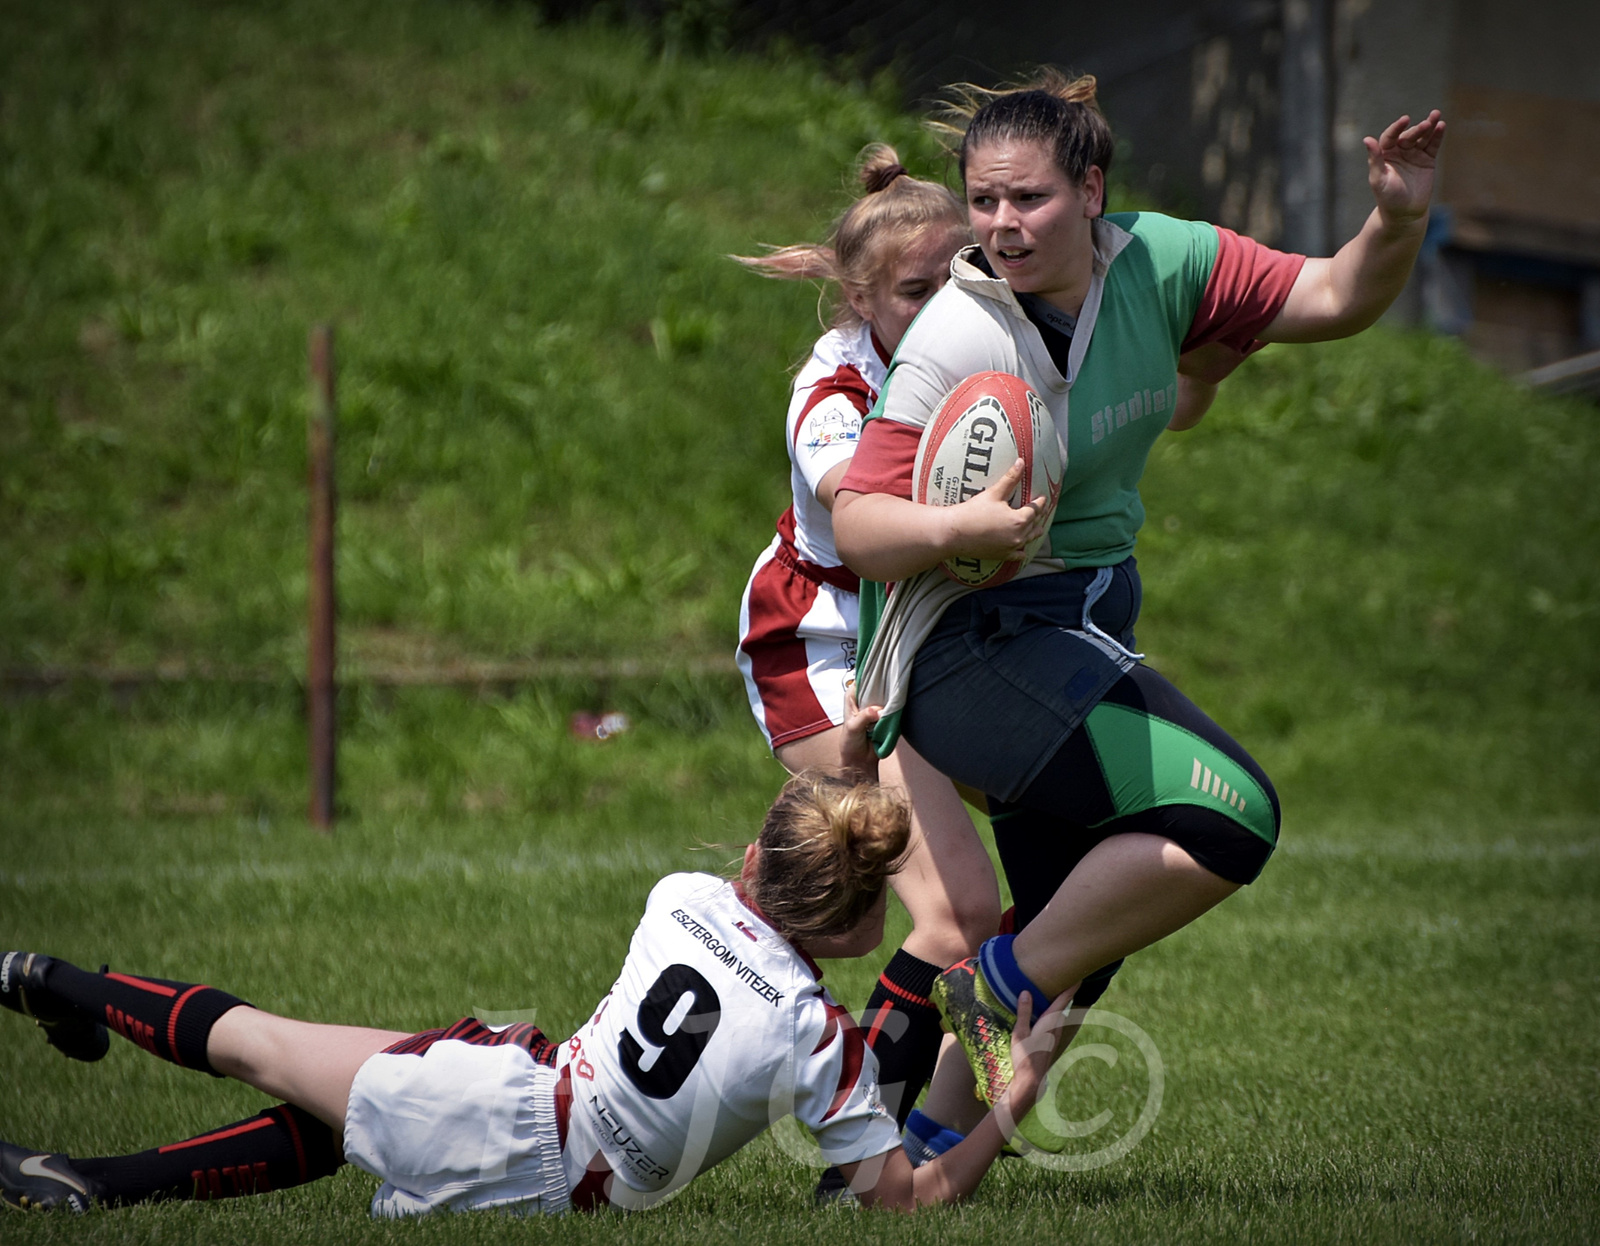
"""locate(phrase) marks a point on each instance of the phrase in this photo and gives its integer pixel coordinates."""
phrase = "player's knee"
(959, 927)
(1230, 830)
(977, 917)
(1221, 843)
(250, 1046)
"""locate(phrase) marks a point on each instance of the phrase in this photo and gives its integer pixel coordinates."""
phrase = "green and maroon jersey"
(1160, 286)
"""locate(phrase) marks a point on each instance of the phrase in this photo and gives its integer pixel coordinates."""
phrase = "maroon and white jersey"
(716, 1029)
(798, 616)
(831, 397)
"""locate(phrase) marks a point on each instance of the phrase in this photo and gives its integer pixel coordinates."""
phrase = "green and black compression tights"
(1145, 760)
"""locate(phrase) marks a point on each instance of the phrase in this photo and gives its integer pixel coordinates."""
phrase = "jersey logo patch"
(846, 382)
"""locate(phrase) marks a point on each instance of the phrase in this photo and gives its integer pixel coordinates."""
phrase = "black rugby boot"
(69, 1031)
(833, 1190)
(40, 1181)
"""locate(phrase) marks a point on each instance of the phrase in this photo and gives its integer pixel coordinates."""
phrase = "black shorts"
(1009, 696)
(1008, 673)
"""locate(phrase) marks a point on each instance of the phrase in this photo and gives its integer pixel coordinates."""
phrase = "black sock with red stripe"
(172, 1020)
(902, 1028)
(282, 1147)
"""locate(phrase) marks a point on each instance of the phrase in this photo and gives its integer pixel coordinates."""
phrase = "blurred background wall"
(1251, 113)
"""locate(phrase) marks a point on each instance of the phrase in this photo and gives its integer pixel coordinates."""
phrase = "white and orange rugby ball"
(983, 426)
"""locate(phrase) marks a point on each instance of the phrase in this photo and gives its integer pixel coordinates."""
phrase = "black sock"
(172, 1020)
(282, 1147)
(902, 1028)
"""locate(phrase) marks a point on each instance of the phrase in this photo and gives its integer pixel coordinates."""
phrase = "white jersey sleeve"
(713, 1031)
(836, 1088)
(827, 427)
(831, 397)
(833, 391)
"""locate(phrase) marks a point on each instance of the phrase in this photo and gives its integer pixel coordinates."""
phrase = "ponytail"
(893, 211)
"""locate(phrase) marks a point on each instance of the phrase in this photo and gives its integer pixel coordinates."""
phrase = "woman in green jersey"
(1121, 811)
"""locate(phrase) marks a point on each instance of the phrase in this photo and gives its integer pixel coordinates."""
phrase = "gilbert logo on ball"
(982, 427)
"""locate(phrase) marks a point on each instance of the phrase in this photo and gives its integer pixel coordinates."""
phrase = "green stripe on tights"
(1149, 761)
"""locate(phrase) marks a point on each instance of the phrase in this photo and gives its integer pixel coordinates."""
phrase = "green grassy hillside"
(1381, 562)
(1375, 562)
(560, 405)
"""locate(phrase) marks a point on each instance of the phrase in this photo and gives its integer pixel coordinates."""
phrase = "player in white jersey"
(889, 252)
(797, 620)
(717, 1027)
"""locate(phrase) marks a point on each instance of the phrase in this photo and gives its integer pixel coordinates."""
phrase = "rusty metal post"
(321, 690)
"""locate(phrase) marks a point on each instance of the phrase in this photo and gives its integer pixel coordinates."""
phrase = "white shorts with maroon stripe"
(459, 1124)
(797, 646)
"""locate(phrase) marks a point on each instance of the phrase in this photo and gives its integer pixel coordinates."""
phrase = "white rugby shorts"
(797, 646)
(459, 1127)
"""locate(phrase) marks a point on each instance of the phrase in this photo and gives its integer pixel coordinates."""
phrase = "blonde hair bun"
(877, 168)
(828, 848)
(893, 211)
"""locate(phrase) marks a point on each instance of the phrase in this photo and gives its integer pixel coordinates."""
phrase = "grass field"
(1391, 1037)
(1375, 563)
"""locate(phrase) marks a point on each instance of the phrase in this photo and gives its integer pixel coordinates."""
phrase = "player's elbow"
(896, 1201)
(852, 531)
(885, 1180)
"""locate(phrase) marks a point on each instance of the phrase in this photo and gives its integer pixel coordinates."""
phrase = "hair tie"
(884, 178)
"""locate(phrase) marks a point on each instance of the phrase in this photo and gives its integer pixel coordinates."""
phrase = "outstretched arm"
(956, 1174)
(1340, 296)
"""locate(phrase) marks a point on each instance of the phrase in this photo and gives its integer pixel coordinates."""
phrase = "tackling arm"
(828, 486)
(1200, 371)
(956, 1174)
(856, 754)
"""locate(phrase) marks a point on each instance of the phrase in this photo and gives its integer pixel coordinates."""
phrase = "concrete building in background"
(1251, 113)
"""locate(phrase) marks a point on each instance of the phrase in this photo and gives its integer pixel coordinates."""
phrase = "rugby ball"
(983, 426)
